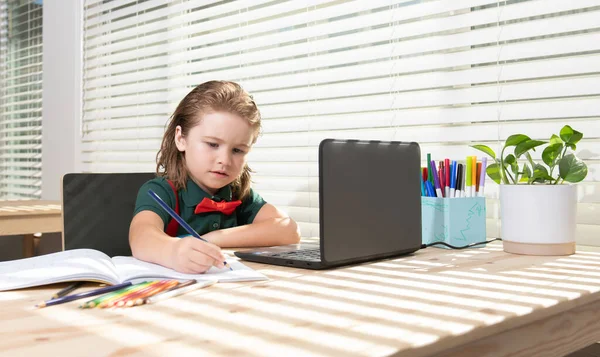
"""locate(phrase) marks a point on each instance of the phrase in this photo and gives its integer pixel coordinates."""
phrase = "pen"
(474, 176)
(180, 220)
(436, 180)
(62, 300)
(429, 189)
(447, 182)
(442, 177)
(453, 178)
(468, 176)
(429, 178)
(459, 180)
(464, 182)
(67, 290)
(478, 177)
(482, 176)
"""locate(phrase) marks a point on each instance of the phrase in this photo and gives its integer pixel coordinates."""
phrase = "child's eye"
(212, 145)
(238, 151)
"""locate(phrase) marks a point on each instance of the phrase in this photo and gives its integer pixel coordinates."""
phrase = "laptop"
(369, 206)
(97, 209)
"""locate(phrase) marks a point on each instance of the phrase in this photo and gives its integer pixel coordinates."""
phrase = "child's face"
(216, 149)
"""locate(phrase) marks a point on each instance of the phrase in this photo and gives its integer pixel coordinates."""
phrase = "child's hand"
(190, 255)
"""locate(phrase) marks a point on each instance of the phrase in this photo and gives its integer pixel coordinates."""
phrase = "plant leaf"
(551, 153)
(526, 173)
(569, 135)
(510, 159)
(516, 139)
(486, 149)
(555, 140)
(572, 146)
(529, 159)
(540, 174)
(526, 146)
(493, 172)
(566, 132)
(539, 169)
(515, 168)
(572, 169)
(576, 137)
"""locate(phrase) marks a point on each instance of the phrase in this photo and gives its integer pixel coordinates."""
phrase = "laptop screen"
(370, 202)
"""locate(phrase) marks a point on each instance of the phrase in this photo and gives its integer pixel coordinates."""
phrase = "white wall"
(61, 111)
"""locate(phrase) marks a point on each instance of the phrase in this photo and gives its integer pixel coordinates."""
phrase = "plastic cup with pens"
(456, 213)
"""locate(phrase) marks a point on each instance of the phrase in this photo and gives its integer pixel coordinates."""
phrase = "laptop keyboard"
(313, 255)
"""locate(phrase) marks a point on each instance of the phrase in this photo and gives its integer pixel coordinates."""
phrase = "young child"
(202, 174)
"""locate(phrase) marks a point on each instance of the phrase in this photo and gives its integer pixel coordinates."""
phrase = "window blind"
(446, 73)
(20, 99)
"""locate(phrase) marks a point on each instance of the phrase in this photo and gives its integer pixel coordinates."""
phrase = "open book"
(93, 265)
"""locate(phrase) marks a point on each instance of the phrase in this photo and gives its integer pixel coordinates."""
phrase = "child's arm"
(187, 255)
(270, 227)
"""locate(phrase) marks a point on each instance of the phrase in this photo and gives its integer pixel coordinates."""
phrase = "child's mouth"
(219, 173)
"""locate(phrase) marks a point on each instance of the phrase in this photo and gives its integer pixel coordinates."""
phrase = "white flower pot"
(538, 219)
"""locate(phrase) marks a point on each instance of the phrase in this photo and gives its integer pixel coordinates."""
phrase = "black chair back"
(97, 209)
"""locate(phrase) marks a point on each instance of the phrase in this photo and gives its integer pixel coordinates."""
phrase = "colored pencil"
(97, 301)
(67, 290)
(109, 300)
(151, 288)
(114, 302)
(62, 300)
(139, 299)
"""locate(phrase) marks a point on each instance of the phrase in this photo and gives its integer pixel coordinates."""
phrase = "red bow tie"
(208, 205)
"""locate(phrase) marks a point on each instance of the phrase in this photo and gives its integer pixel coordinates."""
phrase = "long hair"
(212, 96)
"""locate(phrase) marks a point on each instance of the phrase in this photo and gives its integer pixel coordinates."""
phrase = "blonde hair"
(212, 96)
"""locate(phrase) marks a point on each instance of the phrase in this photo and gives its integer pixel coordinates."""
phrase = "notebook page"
(70, 265)
(130, 268)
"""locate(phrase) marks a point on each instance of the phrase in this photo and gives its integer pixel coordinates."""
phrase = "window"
(444, 73)
(20, 99)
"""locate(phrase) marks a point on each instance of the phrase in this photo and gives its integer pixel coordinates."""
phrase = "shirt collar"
(194, 194)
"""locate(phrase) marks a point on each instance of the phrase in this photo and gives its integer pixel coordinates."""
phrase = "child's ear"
(179, 139)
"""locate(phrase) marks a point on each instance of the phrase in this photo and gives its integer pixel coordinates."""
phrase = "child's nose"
(224, 158)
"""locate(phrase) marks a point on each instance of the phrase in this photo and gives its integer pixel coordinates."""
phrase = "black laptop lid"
(97, 210)
(370, 199)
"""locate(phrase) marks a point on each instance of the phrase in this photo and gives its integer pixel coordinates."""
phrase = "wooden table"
(29, 217)
(436, 302)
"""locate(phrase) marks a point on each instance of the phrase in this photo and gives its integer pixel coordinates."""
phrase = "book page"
(70, 265)
(130, 268)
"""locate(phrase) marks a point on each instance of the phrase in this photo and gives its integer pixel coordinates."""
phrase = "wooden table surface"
(27, 217)
(436, 302)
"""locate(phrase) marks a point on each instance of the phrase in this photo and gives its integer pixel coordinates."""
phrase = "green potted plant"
(538, 201)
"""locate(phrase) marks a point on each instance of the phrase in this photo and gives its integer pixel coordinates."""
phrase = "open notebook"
(93, 265)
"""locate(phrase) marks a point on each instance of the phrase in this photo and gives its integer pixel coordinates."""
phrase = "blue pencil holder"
(455, 221)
